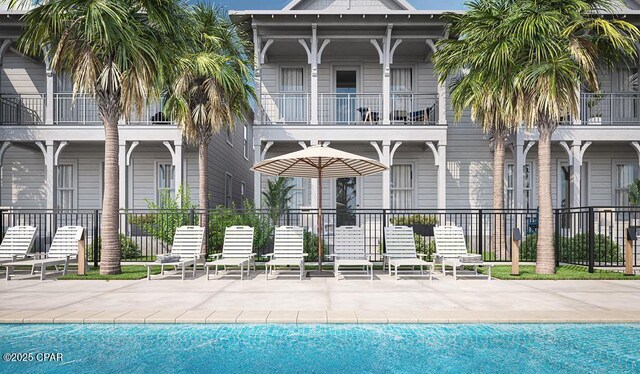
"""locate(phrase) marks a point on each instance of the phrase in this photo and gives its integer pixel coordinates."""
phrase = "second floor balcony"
(69, 110)
(348, 109)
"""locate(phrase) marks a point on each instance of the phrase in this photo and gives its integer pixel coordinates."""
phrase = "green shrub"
(311, 246)
(575, 249)
(425, 246)
(222, 217)
(129, 249)
(415, 219)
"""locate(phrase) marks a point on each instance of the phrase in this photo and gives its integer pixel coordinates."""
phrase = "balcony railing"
(285, 108)
(621, 108)
(82, 110)
(336, 108)
(22, 109)
(414, 108)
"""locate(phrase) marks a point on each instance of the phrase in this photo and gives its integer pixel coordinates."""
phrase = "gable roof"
(402, 4)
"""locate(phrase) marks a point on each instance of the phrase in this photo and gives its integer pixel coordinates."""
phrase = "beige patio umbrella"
(319, 162)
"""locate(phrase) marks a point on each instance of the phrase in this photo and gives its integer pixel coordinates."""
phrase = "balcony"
(348, 109)
(69, 110)
(619, 109)
(22, 109)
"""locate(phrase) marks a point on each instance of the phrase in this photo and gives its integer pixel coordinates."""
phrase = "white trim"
(414, 183)
(156, 188)
(245, 140)
(134, 144)
(265, 48)
(230, 191)
(293, 65)
(229, 135)
(56, 155)
(614, 175)
(401, 3)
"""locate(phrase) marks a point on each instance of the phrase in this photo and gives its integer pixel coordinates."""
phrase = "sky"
(279, 4)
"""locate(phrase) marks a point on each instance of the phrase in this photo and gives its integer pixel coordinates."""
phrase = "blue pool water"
(325, 348)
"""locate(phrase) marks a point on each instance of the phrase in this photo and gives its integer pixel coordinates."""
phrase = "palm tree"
(277, 197)
(117, 51)
(559, 46)
(210, 88)
(483, 83)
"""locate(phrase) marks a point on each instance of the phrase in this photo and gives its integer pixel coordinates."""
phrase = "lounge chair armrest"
(422, 255)
(305, 254)
(269, 255)
(215, 255)
(39, 256)
(252, 255)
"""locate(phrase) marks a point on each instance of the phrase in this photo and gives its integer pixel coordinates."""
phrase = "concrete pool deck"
(318, 300)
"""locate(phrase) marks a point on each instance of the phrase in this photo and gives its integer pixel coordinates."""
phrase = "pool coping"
(61, 316)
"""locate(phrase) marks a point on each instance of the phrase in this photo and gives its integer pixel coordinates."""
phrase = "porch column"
(442, 89)
(386, 78)
(577, 154)
(51, 178)
(177, 167)
(49, 101)
(122, 174)
(313, 60)
(520, 159)
(386, 175)
(257, 73)
(442, 175)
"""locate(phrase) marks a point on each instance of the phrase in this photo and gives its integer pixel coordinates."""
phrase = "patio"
(318, 300)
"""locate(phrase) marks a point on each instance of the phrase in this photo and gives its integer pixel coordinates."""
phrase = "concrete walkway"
(317, 300)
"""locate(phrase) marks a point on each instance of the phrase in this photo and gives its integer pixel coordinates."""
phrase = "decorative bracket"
(265, 48)
(56, 156)
(130, 151)
(636, 145)
(3, 150)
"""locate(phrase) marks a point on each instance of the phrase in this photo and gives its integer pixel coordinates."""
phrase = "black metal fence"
(592, 236)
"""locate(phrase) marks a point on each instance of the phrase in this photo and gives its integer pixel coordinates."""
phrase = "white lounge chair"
(288, 249)
(237, 250)
(17, 243)
(64, 248)
(348, 250)
(187, 244)
(451, 250)
(401, 250)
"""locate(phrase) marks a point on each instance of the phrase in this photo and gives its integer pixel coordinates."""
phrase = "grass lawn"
(564, 272)
(129, 272)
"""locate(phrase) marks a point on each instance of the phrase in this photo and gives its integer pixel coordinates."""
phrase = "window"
(66, 187)
(297, 193)
(228, 190)
(292, 80)
(229, 135)
(243, 187)
(166, 183)
(401, 80)
(246, 141)
(402, 186)
(625, 175)
(509, 186)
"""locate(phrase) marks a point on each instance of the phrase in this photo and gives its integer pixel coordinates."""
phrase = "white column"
(576, 166)
(386, 175)
(177, 167)
(442, 175)
(386, 78)
(48, 115)
(51, 178)
(442, 104)
(257, 73)
(314, 74)
(518, 187)
(122, 172)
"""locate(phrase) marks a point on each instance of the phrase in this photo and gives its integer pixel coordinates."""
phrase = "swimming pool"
(324, 348)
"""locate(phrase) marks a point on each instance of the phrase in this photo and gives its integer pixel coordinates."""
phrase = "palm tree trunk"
(546, 257)
(498, 196)
(110, 256)
(203, 183)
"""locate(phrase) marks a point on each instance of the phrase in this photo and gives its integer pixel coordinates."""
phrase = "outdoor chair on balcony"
(237, 250)
(349, 250)
(401, 251)
(368, 115)
(451, 250)
(288, 250)
(17, 243)
(185, 252)
(64, 248)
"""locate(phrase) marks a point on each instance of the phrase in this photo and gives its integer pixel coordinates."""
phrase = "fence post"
(94, 239)
(556, 238)
(384, 244)
(480, 232)
(192, 217)
(591, 240)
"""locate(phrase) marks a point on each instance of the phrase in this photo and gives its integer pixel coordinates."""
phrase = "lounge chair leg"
(371, 271)
(266, 271)
(455, 274)
(66, 267)
(489, 272)
(396, 268)
(43, 269)
(183, 271)
(335, 270)
(241, 270)
(148, 272)
(8, 271)
(207, 271)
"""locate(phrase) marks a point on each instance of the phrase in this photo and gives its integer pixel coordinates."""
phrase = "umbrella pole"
(319, 219)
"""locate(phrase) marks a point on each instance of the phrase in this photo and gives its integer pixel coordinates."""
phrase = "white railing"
(414, 108)
(22, 109)
(285, 108)
(82, 110)
(622, 108)
(336, 108)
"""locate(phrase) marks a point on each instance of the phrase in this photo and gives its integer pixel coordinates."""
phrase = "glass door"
(346, 89)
